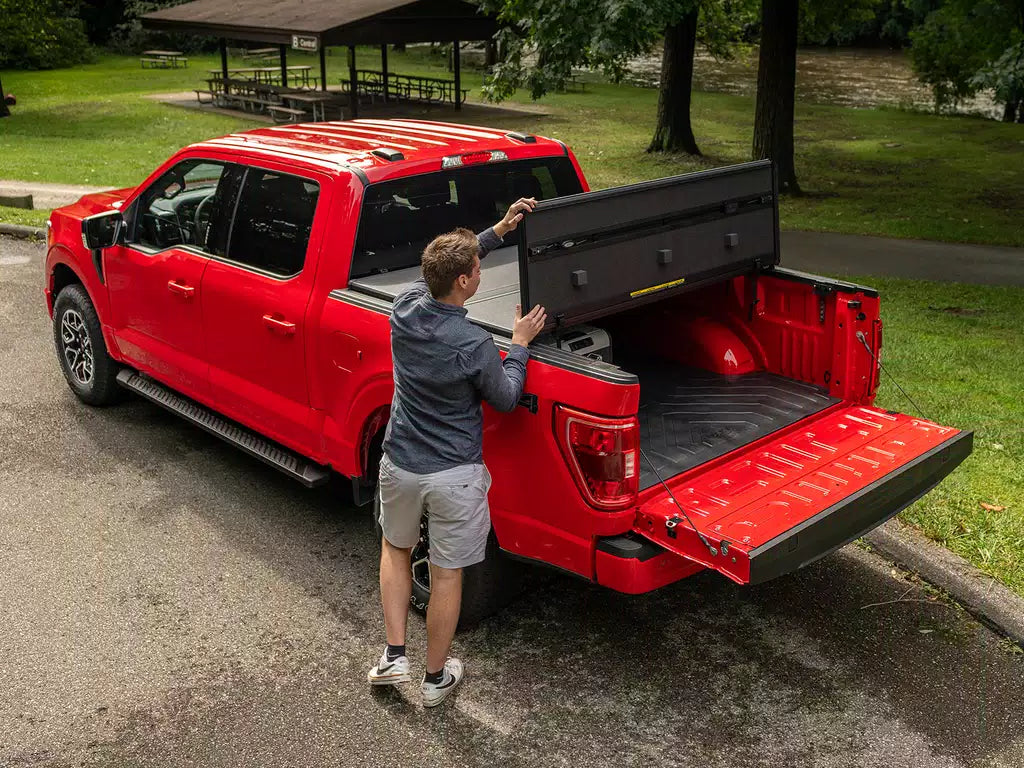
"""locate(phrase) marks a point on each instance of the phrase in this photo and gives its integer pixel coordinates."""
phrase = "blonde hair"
(447, 257)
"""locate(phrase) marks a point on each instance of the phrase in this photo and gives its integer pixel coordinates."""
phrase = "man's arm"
(499, 382)
(492, 237)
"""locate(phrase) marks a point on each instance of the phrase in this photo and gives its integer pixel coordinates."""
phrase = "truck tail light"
(603, 456)
(472, 158)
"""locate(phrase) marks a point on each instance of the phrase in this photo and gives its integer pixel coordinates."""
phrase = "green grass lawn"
(871, 171)
(955, 348)
(23, 217)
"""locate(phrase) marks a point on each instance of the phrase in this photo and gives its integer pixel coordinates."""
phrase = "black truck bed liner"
(689, 416)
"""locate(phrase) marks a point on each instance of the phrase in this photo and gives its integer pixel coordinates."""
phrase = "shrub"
(42, 34)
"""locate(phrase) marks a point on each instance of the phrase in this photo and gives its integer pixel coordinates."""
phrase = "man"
(433, 447)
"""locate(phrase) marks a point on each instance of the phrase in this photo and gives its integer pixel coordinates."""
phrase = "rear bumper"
(858, 513)
(630, 563)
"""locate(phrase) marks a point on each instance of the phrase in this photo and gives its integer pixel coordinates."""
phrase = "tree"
(1005, 78)
(776, 90)
(674, 131)
(4, 110)
(614, 32)
(971, 45)
(782, 21)
(41, 34)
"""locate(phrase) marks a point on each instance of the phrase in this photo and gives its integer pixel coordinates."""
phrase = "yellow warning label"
(654, 288)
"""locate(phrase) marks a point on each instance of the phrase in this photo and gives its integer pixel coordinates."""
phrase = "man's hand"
(515, 214)
(525, 329)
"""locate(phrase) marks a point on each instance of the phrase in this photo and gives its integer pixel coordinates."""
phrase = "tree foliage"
(545, 40)
(968, 45)
(830, 21)
(41, 34)
(129, 37)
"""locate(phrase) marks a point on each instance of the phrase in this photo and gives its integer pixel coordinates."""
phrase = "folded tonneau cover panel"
(590, 255)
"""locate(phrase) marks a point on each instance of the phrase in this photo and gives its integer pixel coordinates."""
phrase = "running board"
(292, 464)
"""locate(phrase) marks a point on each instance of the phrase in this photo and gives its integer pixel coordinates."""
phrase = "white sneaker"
(389, 672)
(435, 693)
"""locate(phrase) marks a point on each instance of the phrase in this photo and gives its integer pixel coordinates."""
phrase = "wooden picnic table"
(315, 101)
(261, 54)
(163, 59)
(371, 83)
(271, 75)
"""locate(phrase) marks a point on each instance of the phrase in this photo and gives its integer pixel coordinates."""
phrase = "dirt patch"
(1003, 199)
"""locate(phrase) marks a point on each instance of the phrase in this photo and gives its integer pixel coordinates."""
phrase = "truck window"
(190, 205)
(273, 221)
(399, 217)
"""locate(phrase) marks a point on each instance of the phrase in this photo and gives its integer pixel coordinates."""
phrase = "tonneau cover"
(588, 255)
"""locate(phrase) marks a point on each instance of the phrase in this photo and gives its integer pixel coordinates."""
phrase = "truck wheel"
(487, 587)
(90, 371)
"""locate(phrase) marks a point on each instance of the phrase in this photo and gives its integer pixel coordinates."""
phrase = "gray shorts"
(455, 502)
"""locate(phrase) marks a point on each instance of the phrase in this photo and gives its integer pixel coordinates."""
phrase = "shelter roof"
(333, 22)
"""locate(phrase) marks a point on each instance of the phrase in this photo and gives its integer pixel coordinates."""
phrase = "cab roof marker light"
(472, 158)
(525, 138)
(388, 154)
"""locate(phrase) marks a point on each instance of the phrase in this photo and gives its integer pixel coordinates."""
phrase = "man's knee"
(439, 575)
(391, 549)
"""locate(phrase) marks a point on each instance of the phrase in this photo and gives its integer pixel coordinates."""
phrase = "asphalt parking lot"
(168, 601)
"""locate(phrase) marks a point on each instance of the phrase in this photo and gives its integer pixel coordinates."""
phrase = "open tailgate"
(793, 497)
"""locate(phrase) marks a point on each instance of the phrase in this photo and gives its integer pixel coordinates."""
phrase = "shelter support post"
(458, 74)
(224, 58)
(323, 68)
(284, 64)
(353, 90)
(384, 69)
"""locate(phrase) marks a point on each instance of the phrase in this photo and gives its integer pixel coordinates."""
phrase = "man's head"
(451, 266)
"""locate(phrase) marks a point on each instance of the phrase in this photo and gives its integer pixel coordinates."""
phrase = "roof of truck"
(351, 144)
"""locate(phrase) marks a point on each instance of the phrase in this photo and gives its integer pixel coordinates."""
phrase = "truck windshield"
(401, 216)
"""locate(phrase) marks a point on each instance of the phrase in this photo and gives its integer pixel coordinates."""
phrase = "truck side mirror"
(102, 230)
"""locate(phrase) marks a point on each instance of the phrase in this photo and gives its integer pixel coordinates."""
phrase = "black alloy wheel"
(90, 371)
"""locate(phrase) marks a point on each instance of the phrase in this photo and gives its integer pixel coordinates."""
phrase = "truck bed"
(494, 305)
(689, 416)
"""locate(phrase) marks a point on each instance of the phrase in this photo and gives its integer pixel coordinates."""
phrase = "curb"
(19, 230)
(982, 596)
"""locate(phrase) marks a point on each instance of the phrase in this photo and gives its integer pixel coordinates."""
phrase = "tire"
(90, 371)
(487, 587)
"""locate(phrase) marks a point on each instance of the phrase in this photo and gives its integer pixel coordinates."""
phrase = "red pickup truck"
(692, 404)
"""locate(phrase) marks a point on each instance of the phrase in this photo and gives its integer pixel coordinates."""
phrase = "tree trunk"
(674, 133)
(398, 47)
(1009, 111)
(776, 89)
(490, 53)
(4, 111)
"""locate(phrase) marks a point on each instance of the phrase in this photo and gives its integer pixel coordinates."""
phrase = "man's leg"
(442, 614)
(395, 590)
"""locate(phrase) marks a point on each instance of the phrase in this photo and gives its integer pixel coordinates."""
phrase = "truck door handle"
(277, 324)
(182, 290)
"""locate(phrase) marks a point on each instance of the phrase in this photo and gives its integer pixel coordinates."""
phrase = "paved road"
(857, 255)
(169, 602)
